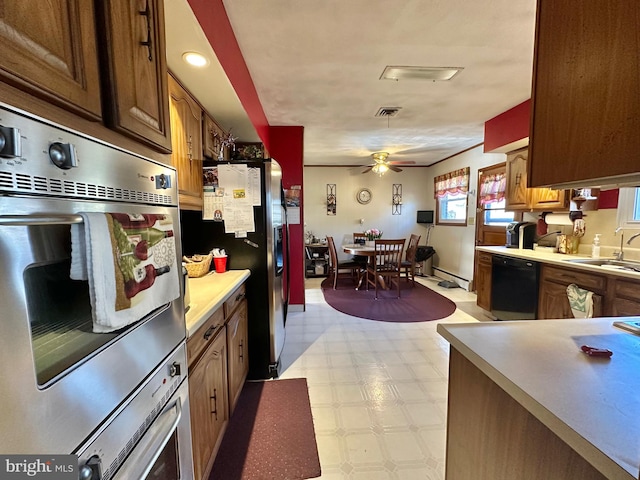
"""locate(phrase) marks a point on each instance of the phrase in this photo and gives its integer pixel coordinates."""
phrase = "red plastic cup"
(220, 264)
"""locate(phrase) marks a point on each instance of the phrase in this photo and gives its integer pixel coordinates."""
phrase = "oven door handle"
(145, 454)
(29, 220)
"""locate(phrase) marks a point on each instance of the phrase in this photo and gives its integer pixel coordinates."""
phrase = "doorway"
(491, 217)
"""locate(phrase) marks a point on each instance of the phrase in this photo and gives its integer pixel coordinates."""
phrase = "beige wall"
(454, 245)
(415, 183)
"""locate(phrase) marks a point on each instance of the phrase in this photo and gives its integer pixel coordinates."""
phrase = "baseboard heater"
(461, 281)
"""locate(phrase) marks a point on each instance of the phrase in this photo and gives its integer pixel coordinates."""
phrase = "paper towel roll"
(558, 219)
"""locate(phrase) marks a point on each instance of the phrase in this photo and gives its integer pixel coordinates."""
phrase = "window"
(451, 197)
(492, 187)
(629, 208)
(495, 214)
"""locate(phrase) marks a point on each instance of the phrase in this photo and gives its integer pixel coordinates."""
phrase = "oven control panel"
(39, 157)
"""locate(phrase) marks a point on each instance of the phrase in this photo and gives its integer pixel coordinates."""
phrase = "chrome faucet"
(632, 238)
(619, 255)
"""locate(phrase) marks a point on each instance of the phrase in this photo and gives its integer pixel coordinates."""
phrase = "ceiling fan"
(381, 164)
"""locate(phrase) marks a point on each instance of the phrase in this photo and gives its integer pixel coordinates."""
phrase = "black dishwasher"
(514, 288)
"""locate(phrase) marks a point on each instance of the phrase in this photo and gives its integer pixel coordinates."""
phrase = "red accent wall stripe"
(508, 127)
(287, 147)
(215, 24)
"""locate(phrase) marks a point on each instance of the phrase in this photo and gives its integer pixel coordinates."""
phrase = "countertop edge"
(558, 259)
(600, 460)
(209, 293)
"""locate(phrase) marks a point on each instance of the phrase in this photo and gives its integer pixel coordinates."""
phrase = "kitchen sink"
(608, 263)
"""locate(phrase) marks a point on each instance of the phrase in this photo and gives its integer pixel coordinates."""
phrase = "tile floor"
(378, 390)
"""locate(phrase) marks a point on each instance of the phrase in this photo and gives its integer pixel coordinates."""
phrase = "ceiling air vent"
(387, 111)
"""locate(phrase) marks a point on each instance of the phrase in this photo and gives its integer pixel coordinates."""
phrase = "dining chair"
(408, 265)
(360, 237)
(346, 266)
(386, 264)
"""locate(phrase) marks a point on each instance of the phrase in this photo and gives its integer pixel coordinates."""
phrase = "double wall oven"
(118, 400)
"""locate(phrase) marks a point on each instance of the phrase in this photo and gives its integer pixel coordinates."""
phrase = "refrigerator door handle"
(250, 243)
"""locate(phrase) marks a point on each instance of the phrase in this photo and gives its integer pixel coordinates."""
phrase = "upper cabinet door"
(49, 50)
(519, 197)
(186, 133)
(212, 136)
(517, 194)
(136, 98)
(586, 92)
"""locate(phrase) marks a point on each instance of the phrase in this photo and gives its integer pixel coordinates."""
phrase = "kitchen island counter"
(209, 293)
(588, 405)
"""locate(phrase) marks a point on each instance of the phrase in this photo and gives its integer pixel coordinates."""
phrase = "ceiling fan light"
(380, 169)
(380, 157)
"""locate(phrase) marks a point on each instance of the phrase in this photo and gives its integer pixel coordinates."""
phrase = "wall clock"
(364, 196)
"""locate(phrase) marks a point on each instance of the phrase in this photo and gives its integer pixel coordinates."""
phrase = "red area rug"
(270, 435)
(416, 304)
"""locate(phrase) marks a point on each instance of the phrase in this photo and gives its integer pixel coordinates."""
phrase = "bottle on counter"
(595, 248)
(144, 277)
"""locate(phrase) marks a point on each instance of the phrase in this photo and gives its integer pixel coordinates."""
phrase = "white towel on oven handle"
(97, 256)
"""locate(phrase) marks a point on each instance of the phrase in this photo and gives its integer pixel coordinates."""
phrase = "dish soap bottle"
(595, 248)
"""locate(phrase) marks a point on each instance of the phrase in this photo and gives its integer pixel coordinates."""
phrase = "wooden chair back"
(387, 263)
(348, 267)
(359, 237)
(409, 265)
(333, 253)
(412, 247)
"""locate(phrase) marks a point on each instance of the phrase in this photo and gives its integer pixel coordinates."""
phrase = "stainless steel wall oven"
(108, 397)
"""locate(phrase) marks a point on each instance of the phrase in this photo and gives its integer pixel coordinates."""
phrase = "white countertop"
(559, 259)
(591, 403)
(209, 293)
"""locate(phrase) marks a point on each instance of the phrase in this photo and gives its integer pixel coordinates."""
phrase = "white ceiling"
(318, 64)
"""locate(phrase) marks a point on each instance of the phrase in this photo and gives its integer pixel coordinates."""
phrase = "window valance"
(492, 188)
(452, 183)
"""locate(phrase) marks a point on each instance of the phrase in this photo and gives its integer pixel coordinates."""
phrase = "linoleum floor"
(378, 390)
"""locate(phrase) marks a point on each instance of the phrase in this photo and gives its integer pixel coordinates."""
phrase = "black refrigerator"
(263, 252)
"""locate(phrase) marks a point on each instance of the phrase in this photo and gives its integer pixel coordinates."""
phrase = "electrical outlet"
(471, 221)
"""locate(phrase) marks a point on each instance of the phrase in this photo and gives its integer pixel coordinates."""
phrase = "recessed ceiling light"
(195, 59)
(392, 72)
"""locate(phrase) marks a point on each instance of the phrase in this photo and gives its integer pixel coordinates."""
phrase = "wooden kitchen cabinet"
(135, 90)
(483, 280)
(209, 403)
(519, 196)
(186, 140)
(212, 139)
(552, 297)
(625, 301)
(218, 366)
(50, 50)
(585, 97)
(237, 334)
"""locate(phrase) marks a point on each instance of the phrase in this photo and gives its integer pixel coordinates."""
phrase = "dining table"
(364, 250)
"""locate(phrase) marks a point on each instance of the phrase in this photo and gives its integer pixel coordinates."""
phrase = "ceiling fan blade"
(402, 162)
(394, 168)
(368, 169)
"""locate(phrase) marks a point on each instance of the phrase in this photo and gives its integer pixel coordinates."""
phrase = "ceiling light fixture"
(380, 169)
(195, 59)
(396, 72)
(380, 157)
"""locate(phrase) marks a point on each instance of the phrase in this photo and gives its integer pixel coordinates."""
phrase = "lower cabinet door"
(237, 332)
(209, 404)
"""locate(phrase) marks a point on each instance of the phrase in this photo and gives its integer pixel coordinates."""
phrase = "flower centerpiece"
(372, 234)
